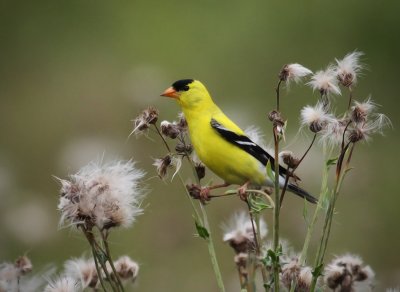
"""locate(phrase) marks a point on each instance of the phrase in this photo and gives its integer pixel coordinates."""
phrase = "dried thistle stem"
(276, 210)
(277, 90)
(203, 220)
(290, 172)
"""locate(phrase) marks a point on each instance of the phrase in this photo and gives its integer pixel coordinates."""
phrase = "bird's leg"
(242, 191)
(205, 191)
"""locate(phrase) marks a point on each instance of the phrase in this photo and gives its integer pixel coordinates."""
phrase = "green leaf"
(331, 161)
(270, 173)
(317, 271)
(305, 213)
(257, 204)
(201, 230)
(230, 192)
(101, 257)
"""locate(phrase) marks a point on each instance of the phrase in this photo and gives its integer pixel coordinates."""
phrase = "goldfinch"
(221, 145)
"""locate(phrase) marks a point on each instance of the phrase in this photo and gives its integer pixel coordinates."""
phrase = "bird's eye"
(186, 88)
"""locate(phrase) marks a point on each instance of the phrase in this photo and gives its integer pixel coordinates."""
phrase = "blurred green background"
(73, 74)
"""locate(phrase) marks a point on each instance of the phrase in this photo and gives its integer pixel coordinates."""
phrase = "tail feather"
(301, 193)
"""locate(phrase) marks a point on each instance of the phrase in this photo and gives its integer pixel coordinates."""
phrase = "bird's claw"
(204, 195)
(199, 193)
(242, 191)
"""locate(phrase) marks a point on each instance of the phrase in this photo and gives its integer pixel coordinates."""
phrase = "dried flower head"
(332, 134)
(62, 284)
(278, 122)
(289, 159)
(325, 82)
(182, 123)
(293, 72)
(126, 268)
(240, 260)
(200, 170)
(143, 121)
(239, 232)
(163, 164)
(294, 272)
(102, 195)
(348, 68)
(360, 111)
(316, 118)
(183, 148)
(374, 125)
(170, 130)
(82, 270)
(23, 264)
(348, 272)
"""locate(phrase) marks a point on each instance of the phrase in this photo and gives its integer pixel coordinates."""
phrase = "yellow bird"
(221, 145)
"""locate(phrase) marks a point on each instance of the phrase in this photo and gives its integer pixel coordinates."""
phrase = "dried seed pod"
(200, 170)
(170, 130)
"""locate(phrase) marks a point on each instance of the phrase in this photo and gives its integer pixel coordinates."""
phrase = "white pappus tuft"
(102, 195)
(348, 68)
(325, 82)
(83, 271)
(239, 232)
(315, 117)
(126, 268)
(293, 72)
(63, 284)
(348, 273)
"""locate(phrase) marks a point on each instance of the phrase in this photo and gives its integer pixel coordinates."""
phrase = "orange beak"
(170, 92)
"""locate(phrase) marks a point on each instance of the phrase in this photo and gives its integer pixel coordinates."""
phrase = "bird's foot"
(242, 191)
(204, 195)
(199, 193)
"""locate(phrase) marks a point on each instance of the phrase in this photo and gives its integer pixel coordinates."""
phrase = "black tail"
(301, 193)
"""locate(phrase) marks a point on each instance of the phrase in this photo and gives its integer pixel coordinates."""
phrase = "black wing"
(244, 143)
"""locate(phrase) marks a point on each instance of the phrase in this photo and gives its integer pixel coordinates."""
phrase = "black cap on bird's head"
(177, 86)
(182, 85)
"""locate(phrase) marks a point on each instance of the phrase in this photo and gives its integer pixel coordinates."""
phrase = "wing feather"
(244, 143)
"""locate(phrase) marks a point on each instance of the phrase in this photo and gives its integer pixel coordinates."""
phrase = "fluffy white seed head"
(348, 68)
(361, 110)
(315, 117)
(239, 232)
(325, 82)
(332, 134)
(293, 72)
(374, 125)
(62, 284)
(349, 273)
(83, 271)
(23, 264)
(293, 271)
(126, 268)
(103, 195)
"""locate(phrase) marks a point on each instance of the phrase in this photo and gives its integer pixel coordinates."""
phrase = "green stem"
(276, 213)
(322, 196)
(92, 241)
(204, 221)
(277, 90)
(328, 224)
(107, 250)
(211, 251)
(98, 270)
(257, 240)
